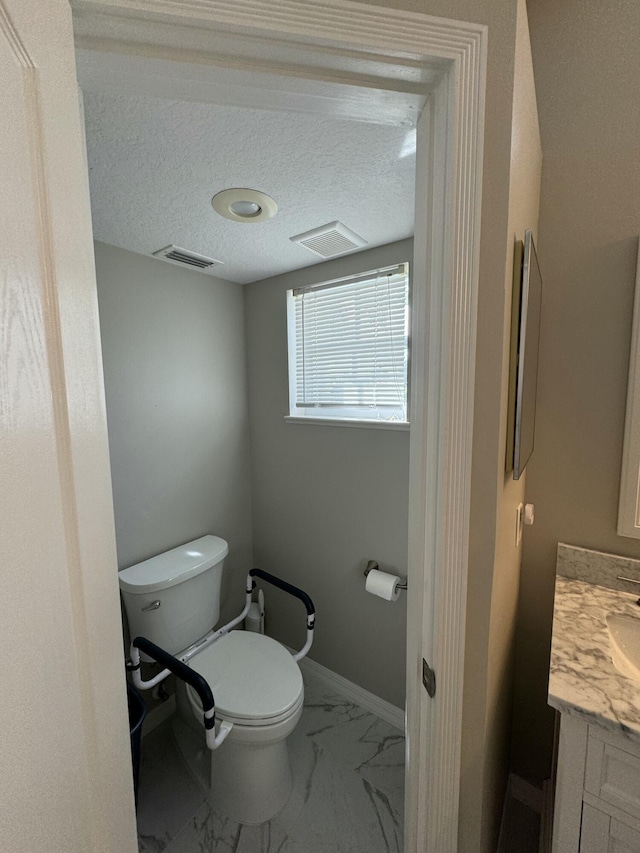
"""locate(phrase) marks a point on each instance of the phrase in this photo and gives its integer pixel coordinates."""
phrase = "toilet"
(173, 600)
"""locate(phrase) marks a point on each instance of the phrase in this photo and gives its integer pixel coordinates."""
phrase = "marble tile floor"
(348, 790)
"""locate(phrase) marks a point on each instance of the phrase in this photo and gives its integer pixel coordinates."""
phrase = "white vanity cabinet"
(602, 833)
(597, 805)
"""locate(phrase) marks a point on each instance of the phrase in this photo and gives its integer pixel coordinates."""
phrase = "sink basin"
(624, 639)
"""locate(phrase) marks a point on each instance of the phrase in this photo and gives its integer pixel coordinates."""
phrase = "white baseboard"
(526, 793)
(369, 701)
(158, 715)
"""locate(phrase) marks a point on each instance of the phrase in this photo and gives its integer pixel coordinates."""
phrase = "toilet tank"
(173, 599)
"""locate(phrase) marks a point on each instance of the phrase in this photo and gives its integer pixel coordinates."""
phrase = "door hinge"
(428, 679)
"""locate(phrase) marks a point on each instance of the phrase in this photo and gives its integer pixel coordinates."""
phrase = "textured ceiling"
(155, 164)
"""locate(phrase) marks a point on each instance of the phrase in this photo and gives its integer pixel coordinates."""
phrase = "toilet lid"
(251, 675)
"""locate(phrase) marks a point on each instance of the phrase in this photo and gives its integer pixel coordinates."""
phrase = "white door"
(65, 783)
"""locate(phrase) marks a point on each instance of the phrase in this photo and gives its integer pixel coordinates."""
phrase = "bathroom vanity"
(596, 621)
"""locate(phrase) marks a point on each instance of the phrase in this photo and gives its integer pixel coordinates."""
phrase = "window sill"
(349, 422)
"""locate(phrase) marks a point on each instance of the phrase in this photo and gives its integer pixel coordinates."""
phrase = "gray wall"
(326, 499)
(587, 70)
(174, 365)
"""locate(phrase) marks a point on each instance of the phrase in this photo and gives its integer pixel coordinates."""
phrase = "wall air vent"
(330, 240)
(184, 257)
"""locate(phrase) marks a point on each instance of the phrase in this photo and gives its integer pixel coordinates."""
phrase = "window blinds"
(351, 341)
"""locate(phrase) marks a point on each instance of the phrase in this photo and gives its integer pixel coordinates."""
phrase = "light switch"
(529, 514)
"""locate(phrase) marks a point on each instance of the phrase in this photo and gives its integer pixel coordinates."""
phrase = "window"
(348, 348)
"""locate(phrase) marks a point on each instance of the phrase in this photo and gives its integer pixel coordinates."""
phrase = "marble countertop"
(582, 679)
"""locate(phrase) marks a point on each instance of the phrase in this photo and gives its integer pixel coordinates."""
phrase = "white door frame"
(66, 783)
(452, 55)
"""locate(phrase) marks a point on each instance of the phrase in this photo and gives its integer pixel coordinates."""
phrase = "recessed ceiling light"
(244, 205)
(248, 209)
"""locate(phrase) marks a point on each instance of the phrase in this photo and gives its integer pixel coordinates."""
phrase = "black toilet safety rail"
(178, 663)
(298, 593)
(189, 676)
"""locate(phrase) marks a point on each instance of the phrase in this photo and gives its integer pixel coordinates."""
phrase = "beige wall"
(524, 197)
(326, 499)
(587, 69)
(174, 366)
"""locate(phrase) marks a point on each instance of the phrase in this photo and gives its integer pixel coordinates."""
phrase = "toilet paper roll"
(383, 584)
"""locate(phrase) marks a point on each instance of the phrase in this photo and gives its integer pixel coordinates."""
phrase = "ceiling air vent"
(184, 257)
(330, 240)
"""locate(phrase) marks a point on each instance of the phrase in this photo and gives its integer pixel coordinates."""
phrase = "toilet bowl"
(258, 687)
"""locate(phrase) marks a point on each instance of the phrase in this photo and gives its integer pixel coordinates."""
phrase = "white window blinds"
(350, 353)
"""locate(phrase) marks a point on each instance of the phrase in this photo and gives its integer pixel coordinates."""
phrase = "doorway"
(448, 215)
(331, 495)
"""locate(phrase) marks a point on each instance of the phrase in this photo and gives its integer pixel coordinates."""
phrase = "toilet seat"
(254, 679)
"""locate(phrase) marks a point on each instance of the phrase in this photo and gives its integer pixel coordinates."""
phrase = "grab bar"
(298, 593)
(189, 676)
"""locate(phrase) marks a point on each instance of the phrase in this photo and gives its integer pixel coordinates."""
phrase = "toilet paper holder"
(372, 564)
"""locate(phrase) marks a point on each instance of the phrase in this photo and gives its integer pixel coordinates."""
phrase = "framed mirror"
(629, 505)
(526, 313)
